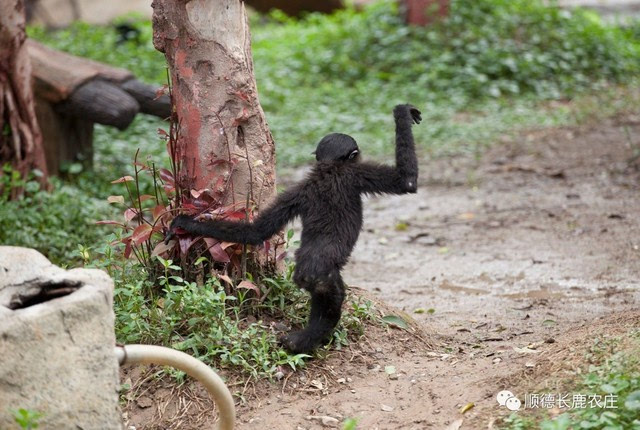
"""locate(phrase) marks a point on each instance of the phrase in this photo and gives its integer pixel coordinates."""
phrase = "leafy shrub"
(235, 331)
(199, 320)
(344, 72)
(484, 48)
(53, 222)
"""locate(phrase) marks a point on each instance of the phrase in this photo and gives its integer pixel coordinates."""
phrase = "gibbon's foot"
(300, 342)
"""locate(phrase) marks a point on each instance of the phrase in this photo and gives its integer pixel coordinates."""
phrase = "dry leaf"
(525, 350)
(466, 407)
(466, 216)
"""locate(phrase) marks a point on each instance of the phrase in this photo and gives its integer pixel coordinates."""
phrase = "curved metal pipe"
(151, 354)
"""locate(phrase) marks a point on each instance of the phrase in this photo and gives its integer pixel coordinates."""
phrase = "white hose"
(151, 354)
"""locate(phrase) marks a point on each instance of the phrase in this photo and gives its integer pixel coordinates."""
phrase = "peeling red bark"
(424, 12)
(207, 46)
(22, 146)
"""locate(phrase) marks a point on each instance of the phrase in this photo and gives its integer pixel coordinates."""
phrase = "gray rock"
(56, 344)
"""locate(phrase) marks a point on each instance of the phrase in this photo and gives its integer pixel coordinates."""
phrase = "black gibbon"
(329, 203)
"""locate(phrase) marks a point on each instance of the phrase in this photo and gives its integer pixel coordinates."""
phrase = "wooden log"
(102, 102)
(74, 93)
(58, 74)
(147, 97)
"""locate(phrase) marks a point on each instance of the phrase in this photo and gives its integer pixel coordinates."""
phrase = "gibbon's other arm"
(268, 223)
(403, 178)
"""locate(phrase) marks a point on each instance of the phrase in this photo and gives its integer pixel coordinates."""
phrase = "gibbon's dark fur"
(329, 202)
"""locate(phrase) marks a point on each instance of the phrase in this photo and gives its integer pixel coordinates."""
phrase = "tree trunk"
(20, 137)
(222, 129)
(424, 12)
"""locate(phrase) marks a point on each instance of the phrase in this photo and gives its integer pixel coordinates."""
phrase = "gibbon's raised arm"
(403, 178)
(268, 223)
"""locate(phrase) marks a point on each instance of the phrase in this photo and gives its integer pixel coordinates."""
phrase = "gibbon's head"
(337, 147)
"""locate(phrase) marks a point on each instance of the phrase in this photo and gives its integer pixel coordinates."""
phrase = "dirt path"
(551, 219)
(537, 239)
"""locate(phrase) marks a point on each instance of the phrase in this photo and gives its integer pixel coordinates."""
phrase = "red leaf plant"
(147, 217)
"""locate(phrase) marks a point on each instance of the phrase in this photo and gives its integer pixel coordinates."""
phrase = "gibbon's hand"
(416, 115)
(180, 222)
(408, 110)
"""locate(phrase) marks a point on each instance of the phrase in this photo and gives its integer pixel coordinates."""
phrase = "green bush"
(199, 320)
(226, 331)
(344, 72)
(54, 223)
(486, 48)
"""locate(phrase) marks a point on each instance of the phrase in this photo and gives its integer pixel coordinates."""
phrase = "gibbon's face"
(337, 147)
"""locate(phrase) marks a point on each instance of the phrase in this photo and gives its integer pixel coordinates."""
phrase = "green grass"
(52, 222)
(481, 73)
(614, 370)
(226, 327)
(491, 60)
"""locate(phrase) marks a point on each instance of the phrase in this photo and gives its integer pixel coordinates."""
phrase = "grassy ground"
(482, 73)
(609, 369)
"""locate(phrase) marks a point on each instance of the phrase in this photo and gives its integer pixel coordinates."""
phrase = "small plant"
(352, 323)
(350, 424)
(147, 217)
(204, 321)
(612, 371)
(236, 331)
(26, 418)
(13, 185)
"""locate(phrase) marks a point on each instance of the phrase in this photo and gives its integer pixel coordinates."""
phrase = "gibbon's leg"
(327, 295)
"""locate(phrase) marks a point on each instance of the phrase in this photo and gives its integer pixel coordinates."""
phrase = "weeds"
(27, 419)
(614, 370)
(53, 222)
(237, 332)
(481, 73)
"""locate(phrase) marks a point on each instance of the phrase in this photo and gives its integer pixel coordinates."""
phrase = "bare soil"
(504, 262)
